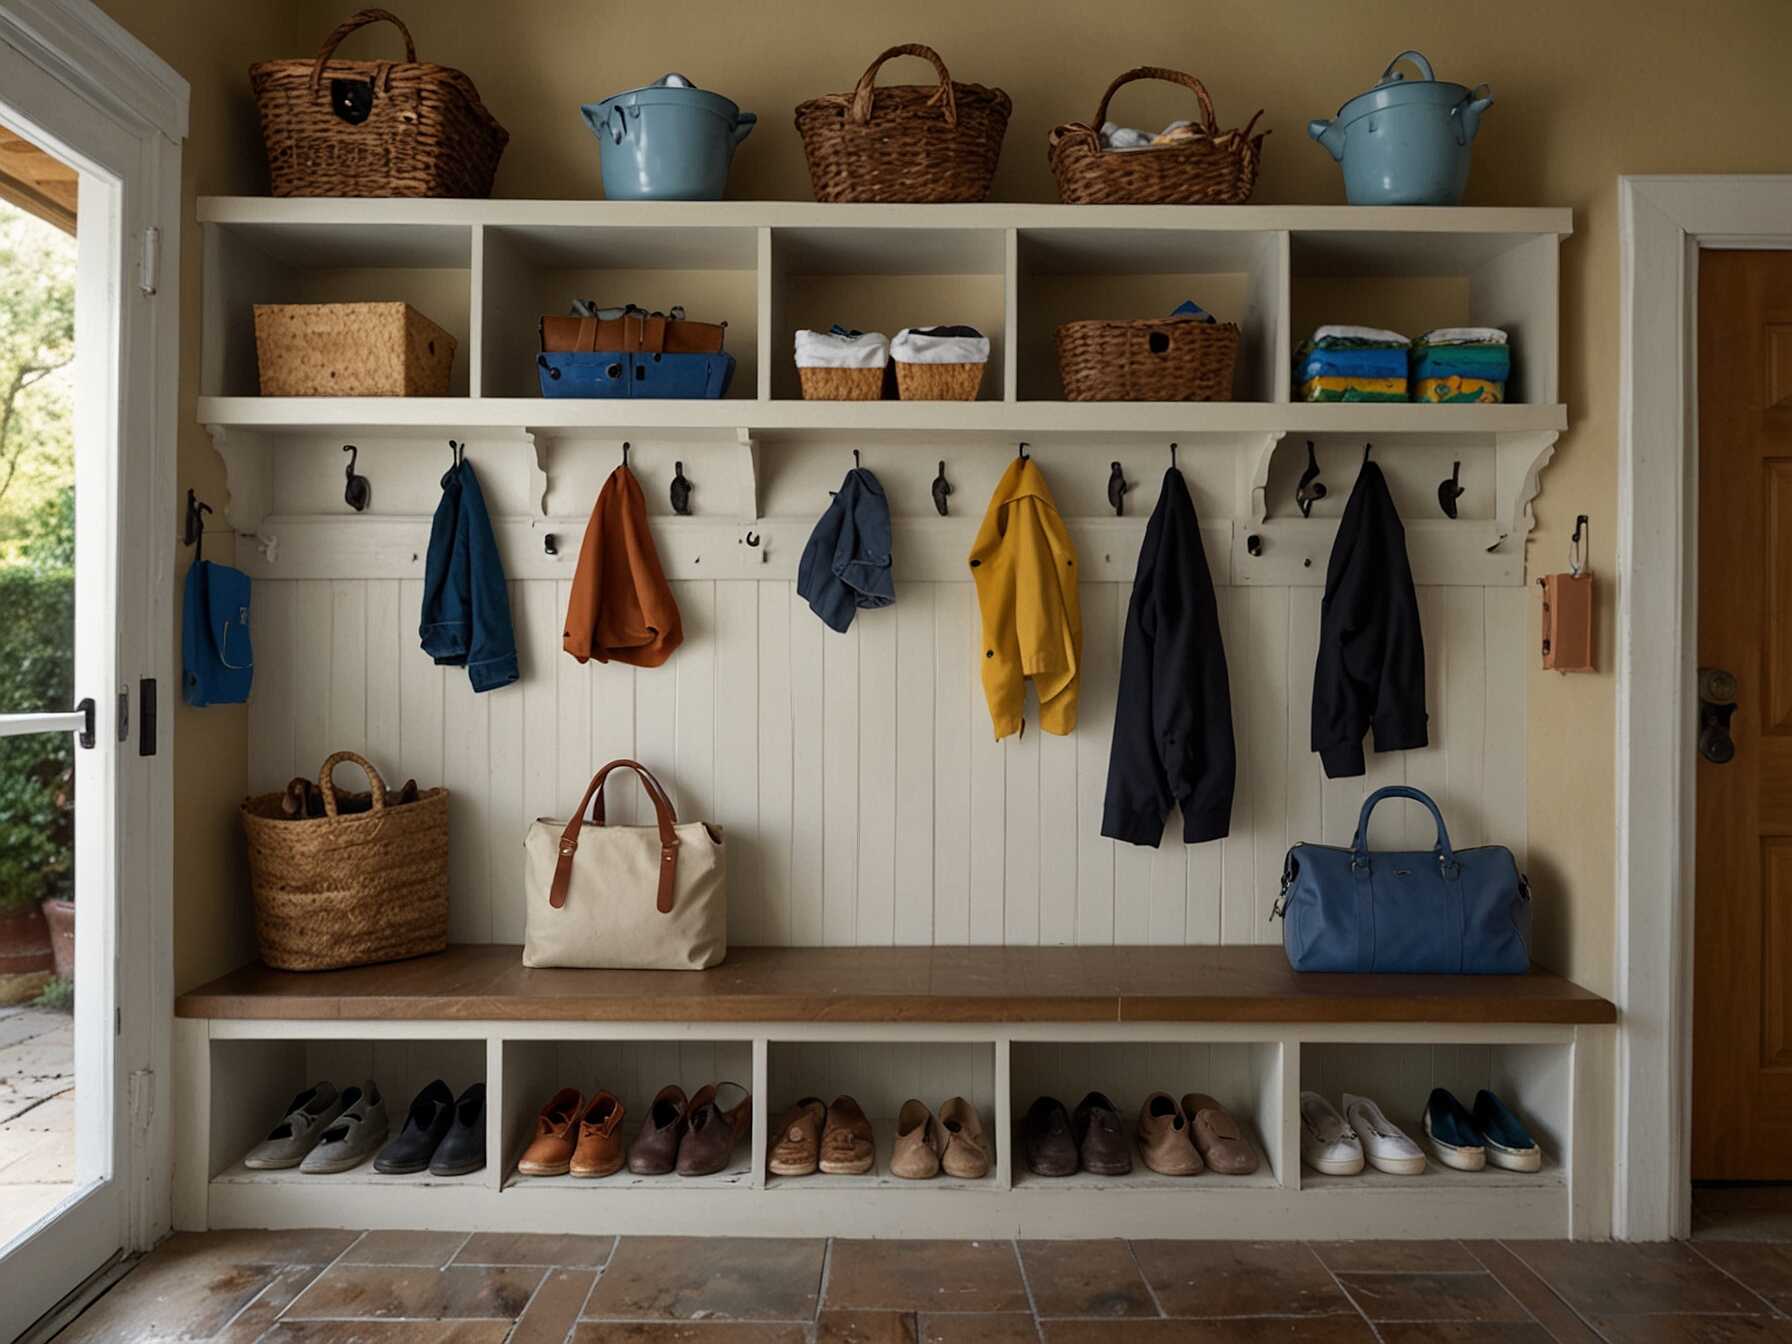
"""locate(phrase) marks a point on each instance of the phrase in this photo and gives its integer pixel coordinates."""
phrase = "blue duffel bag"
(615, 374)
(1439, 910)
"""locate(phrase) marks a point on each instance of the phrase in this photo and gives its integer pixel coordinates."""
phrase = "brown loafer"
(719, 1115)
(847, 1145)
(655, 1149)
(915, 1155)
(1164, 1138)
(966, 1155)
(551, 1152)
(1218, 1137)
(796, 1145)
(599, 1149)
(1102, 1143)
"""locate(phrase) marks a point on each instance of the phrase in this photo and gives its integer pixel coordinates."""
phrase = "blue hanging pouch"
(217, 661)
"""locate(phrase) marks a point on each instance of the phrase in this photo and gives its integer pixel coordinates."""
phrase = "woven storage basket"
(351, 350)
(938, 382)
(841, 384)
(1167, 359)
(374, 128)
(1214, 168)
(904, 142)
(345, 890)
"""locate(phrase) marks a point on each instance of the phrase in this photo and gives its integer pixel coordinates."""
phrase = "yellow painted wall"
(1587, 90)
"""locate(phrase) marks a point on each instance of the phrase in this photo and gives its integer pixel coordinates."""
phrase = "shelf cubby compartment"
(633, 1071)
(252, 1080)
(1071, 274)
(880, 1076)
(427, 265)
(1243, 1076)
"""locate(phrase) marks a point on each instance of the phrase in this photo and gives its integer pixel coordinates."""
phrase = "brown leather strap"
(666, 818)
(587, 341)
(653, 335)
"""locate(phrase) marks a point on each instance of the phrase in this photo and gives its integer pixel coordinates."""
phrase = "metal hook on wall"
(1310, 489)
(681, 491)
(1172, 456)
(1117, 488)
(194, 532)
(625, 452)
(941, 489)
(1580, 544)
(1448, 492)
(1021, 451)
(1366, 448)
(358, 493)
(457, 453)
(855, 459)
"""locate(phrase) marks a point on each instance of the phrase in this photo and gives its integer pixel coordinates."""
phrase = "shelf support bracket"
(1255, 462)
(749, 472)
(1520, 460)
(248, 482)
(539, 481)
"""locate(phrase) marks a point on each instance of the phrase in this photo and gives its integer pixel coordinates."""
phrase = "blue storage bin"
(614, 374)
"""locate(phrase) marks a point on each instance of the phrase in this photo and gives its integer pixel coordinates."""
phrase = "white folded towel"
(1465, 336)
(1346, 333)
(824, 350)
(911, 347)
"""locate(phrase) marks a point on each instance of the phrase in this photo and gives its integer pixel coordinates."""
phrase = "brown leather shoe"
(1218, 1137)
(1164, 1138)
(599, 1149)
(847, 1145)
(720, 1113)
(1103, 1146)
(796, 1143)
(1048, 1139)
(655, 1149)
(551, 1152)
(966, 1155)
(915, 1154)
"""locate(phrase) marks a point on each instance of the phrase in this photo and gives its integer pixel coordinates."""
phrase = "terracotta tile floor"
(323, 1287)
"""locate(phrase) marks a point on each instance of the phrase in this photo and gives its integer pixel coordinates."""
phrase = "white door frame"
(1663, 223)
(132, 120)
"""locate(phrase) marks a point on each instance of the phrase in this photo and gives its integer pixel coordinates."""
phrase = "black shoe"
(463, 1150)
(1045, 1139)
(430, 1115)
(1101, 1138)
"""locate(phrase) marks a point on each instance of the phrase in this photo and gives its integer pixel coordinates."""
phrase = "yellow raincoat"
(1025, 569)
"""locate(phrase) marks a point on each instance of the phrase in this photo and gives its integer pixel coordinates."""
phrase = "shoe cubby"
(254, 1081)
(1243, 1076)
(1122, 274)
(881, 1076)
(631, 1070)
(1534, 1080)
(427, 265)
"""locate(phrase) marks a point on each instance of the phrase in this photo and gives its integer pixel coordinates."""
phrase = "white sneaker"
(1385, 1145)
(1327, 1144)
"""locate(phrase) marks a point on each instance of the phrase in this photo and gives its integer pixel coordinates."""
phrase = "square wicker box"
(351, 350)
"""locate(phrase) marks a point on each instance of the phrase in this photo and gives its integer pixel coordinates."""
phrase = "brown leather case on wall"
(1567, 622)
(634, 333)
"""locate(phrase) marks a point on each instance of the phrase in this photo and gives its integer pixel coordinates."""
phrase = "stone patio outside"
(37, 1114)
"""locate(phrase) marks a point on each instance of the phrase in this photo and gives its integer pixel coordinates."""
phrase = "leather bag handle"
(347, 26)
(1359, 843)
(666, 818)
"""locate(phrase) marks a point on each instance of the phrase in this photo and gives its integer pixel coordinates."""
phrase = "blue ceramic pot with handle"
(1406, 141)
(667, 141)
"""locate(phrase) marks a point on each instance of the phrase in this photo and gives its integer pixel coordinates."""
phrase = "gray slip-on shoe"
(356, 1134)
(307, 1116)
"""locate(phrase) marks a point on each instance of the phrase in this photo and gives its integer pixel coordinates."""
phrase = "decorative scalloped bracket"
(1519, 463)
(248, 483)
(1255, 463)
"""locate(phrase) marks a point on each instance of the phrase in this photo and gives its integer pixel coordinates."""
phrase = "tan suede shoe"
(847, 1146)
(1164, 1138)
(551, 1152)
(1218, 1137)
(599, 1148)
(919, 1142)
(796, 1142)
(967, 1154)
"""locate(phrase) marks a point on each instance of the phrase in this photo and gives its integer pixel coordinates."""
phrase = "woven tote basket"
(841, 384)
(347, 889)
(904, 142)
(1215, 167)
(938, 382)
(374, 128)
(350, 350)
(1166, 359)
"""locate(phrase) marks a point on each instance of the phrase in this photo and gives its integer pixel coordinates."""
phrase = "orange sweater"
(622, 608)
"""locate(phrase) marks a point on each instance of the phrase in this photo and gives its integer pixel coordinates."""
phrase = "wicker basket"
(345, 890)
(374, 128)
(938, 382)
(905, 142)
(1214, 168)
(841, 384)
(351, 350)
(1166, 359)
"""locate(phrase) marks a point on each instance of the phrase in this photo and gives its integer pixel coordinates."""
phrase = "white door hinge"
(150, 264)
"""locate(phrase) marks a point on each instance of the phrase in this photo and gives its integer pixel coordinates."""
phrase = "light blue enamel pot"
(667, 141)
(1406, 142)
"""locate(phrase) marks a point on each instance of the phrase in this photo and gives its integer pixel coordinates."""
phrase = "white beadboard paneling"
(912, 921)
(1102, 614)
(1020, 832)
(875, 919)
(775, 764)
(839, 811)
(736, 808)
(385, 721)
(502, 816)
(271, 696)
(347, 667)
(957, 703)
(808, 785)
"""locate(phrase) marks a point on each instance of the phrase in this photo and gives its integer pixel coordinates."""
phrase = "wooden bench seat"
(488, 982)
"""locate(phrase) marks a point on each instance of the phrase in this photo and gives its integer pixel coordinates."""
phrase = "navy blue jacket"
(466, 606)
(1173, 717)
(846, 564)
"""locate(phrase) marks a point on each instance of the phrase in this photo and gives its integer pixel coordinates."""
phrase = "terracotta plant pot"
(60, 915)
(26, 960)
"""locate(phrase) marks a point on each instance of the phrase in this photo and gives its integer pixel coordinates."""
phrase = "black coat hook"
(359, 490)
(681, 491)
(941, 488)
(194, 532)
(1021, 452)
(855, 459)
(1448, 492)
(457, 453)
(625, 452)
(1311, 488)
(1366, 448)
(1172, 457)
(1117, 488)
(550, 544)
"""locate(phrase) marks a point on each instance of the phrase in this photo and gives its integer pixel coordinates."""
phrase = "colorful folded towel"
(1365, 363)
(1491, 362)
(1456, 388)
(1464, 336)
(1353, 389)
(1360, 336)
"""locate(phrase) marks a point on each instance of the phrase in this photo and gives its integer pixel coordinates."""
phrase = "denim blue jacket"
(846, 564)
(466, 607)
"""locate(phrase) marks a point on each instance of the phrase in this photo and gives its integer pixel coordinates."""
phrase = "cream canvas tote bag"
(625, 897)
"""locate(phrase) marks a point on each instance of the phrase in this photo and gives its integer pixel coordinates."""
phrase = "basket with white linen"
(842, 365)
(939, 363)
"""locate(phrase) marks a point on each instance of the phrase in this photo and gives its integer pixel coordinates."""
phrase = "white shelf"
(1437, 1178)
(363, 1175)
(1142, 1177)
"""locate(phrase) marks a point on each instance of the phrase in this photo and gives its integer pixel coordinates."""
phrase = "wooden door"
(1742, 993)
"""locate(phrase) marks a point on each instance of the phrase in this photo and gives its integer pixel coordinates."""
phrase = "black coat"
(1371, 666)
(1173, 717)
